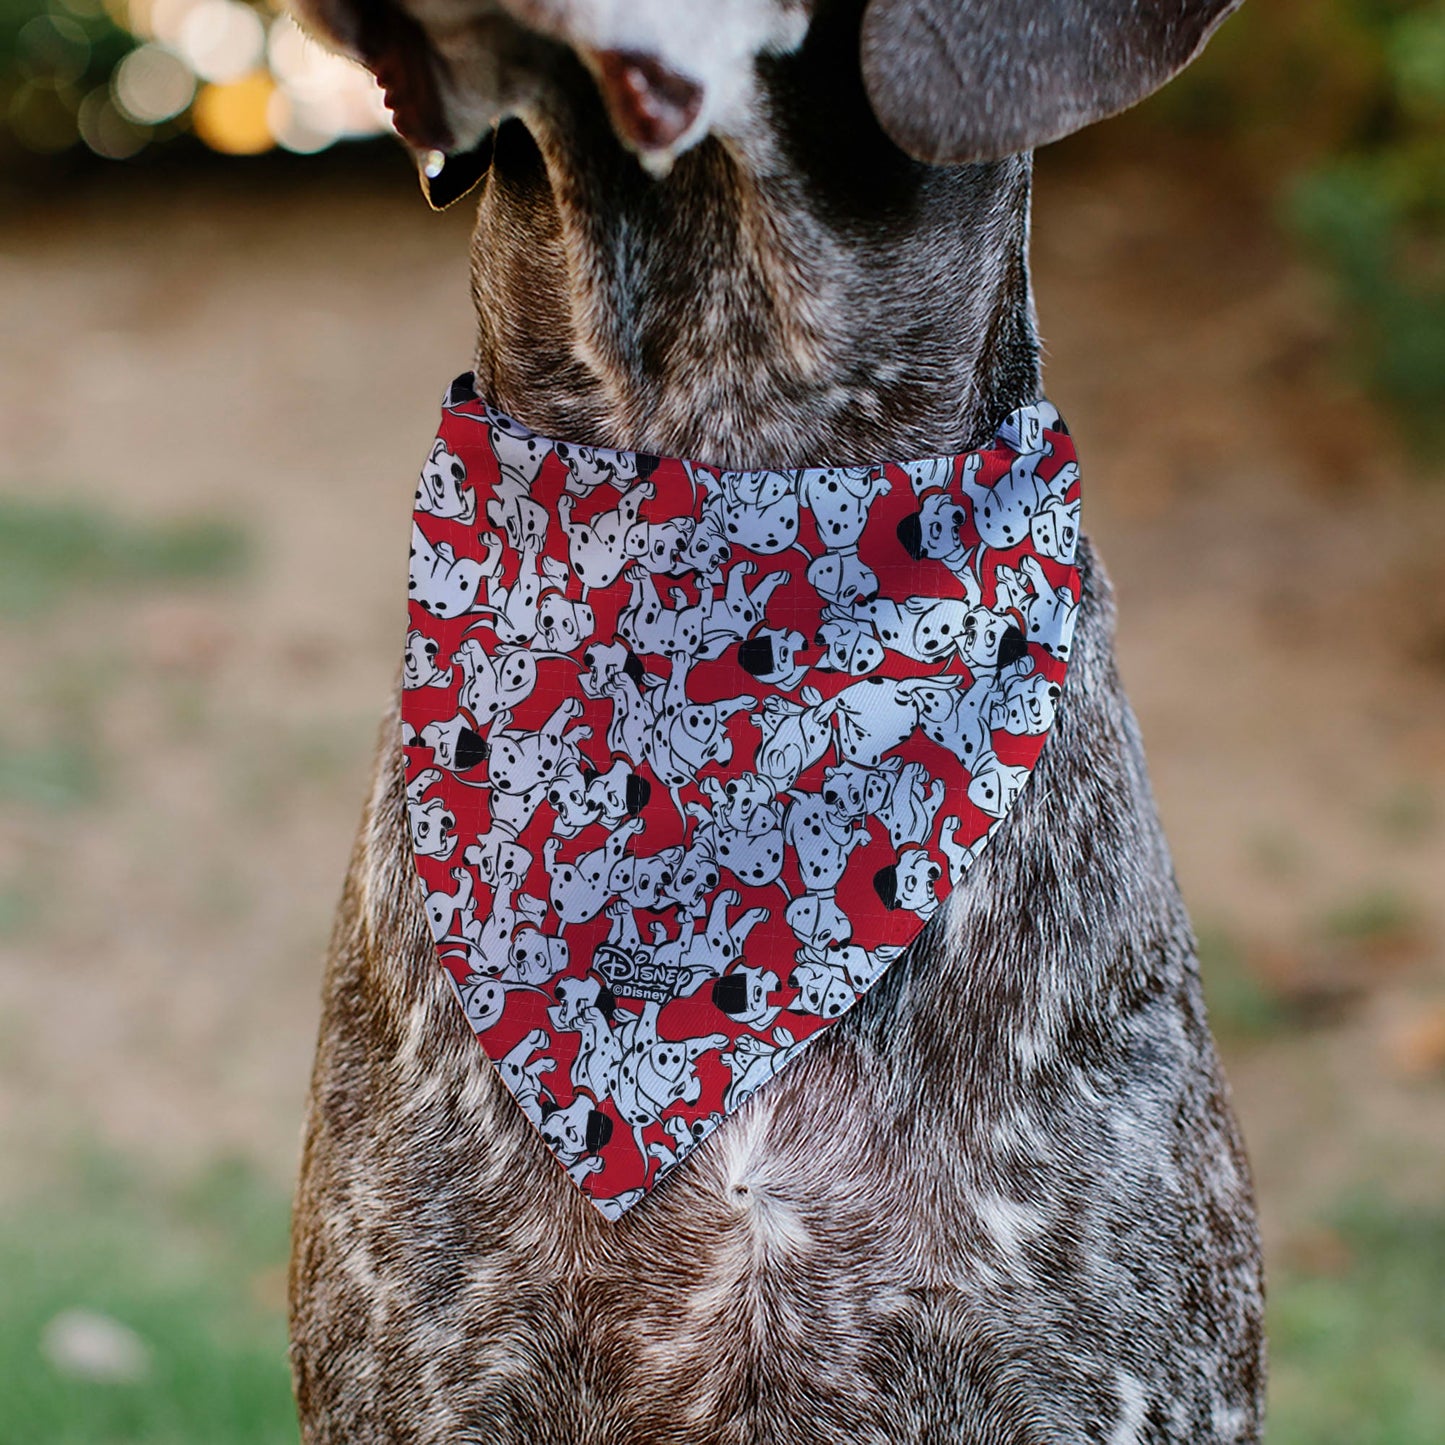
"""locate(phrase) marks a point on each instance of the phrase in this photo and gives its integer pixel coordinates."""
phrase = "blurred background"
(226, 318)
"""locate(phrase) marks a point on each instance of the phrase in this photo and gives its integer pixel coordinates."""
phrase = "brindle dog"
(1002, 1201)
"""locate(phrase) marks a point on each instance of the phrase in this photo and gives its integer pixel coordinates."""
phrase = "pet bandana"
(692, 755)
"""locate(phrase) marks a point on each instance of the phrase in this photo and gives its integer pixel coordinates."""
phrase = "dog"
(1003, 1198)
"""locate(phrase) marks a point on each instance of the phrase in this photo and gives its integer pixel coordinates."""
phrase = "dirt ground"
(271, 355)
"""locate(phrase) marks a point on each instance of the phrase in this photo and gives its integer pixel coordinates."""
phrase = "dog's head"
(948, 81)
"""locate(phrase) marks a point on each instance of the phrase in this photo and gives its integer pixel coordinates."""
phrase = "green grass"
(50, 550)
(195, 1275)
(1358, 1353)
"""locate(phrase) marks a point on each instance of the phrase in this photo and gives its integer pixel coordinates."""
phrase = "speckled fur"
(1002, 1201)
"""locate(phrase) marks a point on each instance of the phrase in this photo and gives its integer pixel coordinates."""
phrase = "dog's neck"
(806, 296)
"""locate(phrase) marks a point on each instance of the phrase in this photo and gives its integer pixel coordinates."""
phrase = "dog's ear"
(975, 80)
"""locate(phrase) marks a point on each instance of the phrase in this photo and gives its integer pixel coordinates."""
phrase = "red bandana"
(693, 755)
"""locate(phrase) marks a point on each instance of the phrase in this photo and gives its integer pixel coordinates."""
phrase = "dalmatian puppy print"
(693, 755)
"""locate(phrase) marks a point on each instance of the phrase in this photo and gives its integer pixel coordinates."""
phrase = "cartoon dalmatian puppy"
(929, 475)
(1049, 613)
(520, 762)
(795, 736)
(847, 645)
(771, 656)
(958, 720)
(604, 662)
(961, 856)
(522, 1074)
(650, 627)
(442, 908)
(743, 830)
(575, 1129)
(687, 735)
(685, 1134)
(842, 577)
(497, 854)
(753, 1061)
(859, 967)
(484, 997)
(441, 492)
(874, 716)
(438, 581)
(839, 498)
(656, 1073)
(579, 890)
(536, 958)
(493, 680)
(657, 546)
(1055, 529)
(703, 630)
(934, 531)
(822, 986)
(900, 795)
(1026, 702)
(455, 744)
(419, 664)
(694, 877)
(758, 511)
(1022, 430)
(614, 1208)
(994, 785)
(990, 638)
(1003, 513)
(433, 826)
(743, 995)
(567, 793)
(591, 467)
(520, 457)
(731, 617)
(909, 883)
(486, 942)
(817, 921)
(617, 794)
(581, 797)
(585, 1007)
(821, 840)
(645, 882)
(707, 550)
(534, 608)
(633, 724)
(926, 629)
(596, 549)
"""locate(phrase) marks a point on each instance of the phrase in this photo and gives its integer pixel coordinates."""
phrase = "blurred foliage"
(52, 59)
(1338, 108)
(116, 78)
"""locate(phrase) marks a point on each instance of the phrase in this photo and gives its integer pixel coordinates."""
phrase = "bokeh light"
(152, 84)
(119, 75)
(221, 40)
(232, 117)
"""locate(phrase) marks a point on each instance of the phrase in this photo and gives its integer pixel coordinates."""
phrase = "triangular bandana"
(693, 755)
